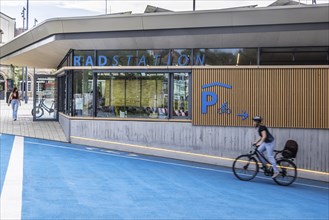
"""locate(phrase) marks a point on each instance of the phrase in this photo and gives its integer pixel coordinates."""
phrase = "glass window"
(154, 94)
(153, 57)
(295, 56)
(61, 93)
(134, 95)
(46, 97)
(181, 57)
(117, 57)
(181, 95)
(84, 58)
(29, 86)
(233, 56)
(110, 95)
(82, 93)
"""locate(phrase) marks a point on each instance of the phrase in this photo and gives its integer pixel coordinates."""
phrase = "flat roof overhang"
(46, 45)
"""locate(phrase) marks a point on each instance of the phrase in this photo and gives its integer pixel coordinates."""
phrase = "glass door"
(45, 98)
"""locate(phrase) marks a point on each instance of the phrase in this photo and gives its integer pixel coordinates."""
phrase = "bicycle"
(39, 110)
(245, 167)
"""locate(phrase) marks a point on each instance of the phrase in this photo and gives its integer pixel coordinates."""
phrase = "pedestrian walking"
(14, 101)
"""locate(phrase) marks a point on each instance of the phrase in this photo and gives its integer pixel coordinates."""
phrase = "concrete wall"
(165, 138)
(65, 123)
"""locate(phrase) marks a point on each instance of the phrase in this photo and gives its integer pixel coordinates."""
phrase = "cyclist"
(265, 142)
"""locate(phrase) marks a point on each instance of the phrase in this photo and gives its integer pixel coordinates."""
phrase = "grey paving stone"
(25, 126)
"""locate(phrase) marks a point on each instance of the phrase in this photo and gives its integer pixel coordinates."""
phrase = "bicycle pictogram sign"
(224, 109)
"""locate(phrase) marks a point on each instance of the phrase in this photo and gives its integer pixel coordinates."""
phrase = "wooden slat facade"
(284, 97)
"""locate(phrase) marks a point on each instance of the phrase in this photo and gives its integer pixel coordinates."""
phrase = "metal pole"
(22, 83)
(23, 16)
(27, 15)
(106, 7)
(26, 74)
(193, 5)
(26, 84)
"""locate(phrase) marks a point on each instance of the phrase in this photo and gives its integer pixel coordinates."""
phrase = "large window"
(147, 94)
(154, 94)
(232, 56)
(110, 95)
(62, 93)
(135, 95)
(294, 56)
(84, 58)
(199, 57)
(181, 95)
(82, 93)
(45, 98)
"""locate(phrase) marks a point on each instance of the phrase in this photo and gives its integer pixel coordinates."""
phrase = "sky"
(42, 10)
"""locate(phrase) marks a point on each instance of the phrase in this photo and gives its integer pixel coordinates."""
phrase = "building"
(7, 28)
(185, 84)
(7, 31)
(10, 75)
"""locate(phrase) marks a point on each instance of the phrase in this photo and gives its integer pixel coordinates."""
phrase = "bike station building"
(185, 84)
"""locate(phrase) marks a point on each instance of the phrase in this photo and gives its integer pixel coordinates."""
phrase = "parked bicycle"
(41, 107)
(246, 166)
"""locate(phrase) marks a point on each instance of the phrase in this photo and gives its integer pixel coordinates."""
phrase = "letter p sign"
(211, 96)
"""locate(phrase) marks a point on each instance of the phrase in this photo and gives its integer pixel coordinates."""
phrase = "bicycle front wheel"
(245, 167)
(288, 172)
(38, 112)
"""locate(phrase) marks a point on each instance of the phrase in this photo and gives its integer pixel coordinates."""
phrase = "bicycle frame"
(45, 107)
(261, 155)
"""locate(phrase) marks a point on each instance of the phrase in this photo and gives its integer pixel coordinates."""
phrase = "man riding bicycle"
(265, 142)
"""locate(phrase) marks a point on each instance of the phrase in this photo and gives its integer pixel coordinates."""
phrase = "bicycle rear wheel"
(245, 167)
(288, 172)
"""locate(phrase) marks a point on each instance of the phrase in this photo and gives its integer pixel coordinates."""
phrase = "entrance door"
(2, 88)
(45, 98)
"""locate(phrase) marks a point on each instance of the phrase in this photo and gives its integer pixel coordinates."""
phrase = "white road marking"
(111, 152)
(11, 195)
(162, 162)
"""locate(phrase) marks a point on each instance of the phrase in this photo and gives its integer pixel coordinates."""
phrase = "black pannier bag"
(290, 149)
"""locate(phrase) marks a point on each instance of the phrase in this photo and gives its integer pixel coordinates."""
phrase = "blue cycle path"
(6, 145)
(65, 181)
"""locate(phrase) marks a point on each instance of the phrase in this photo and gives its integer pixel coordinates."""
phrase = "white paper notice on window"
(79, 103)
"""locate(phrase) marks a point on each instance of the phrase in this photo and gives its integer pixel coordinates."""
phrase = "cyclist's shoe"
(263, 167)
(275, 175)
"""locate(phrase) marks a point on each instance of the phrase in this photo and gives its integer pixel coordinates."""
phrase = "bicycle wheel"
(38, 112)
(245, 167)
(288, 172)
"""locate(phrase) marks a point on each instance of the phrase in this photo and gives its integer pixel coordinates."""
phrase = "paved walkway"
(25, 126)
